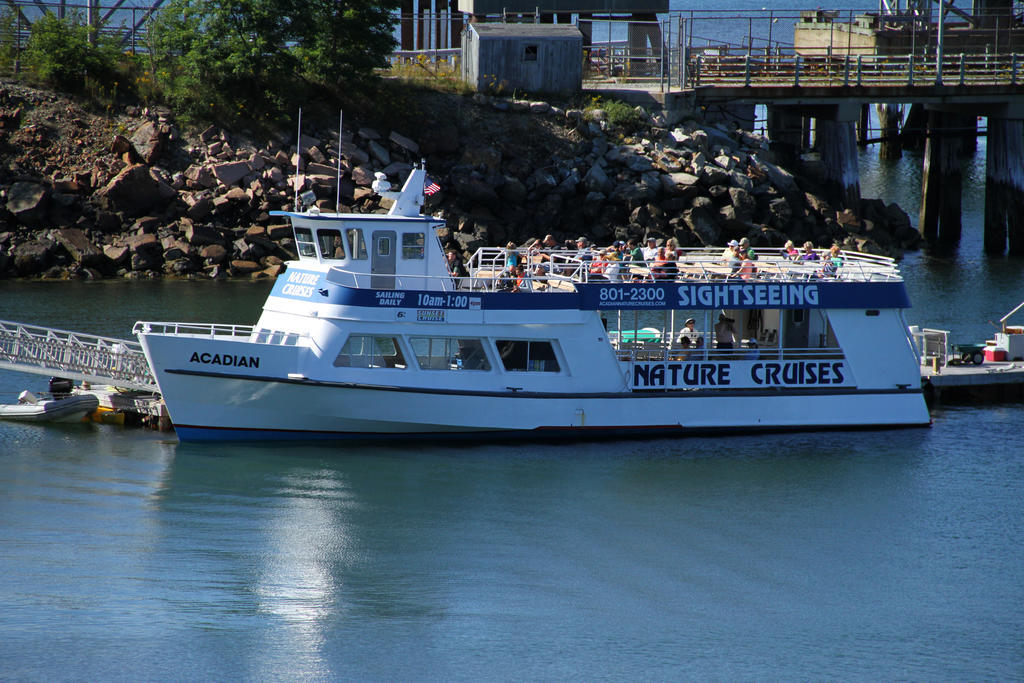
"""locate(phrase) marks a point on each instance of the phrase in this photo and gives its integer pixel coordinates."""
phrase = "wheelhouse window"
(370, 351)
(449, 353)
(304, 242)
(384, 246)
(330, 244)
(527, 356)
(356, 244)
(412, 245)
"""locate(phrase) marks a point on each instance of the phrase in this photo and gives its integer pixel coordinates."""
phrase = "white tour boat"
(369, 335)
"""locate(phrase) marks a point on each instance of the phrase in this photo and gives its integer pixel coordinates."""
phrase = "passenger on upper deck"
(583, 250)
(809, 253)
(746, 250)
(833, 262)
(636, 253)
(455, 264)
(664, 266)
(513, 279)
(651, 250)
(613, 257)
(791, 252)
(729, 254)
(511, 255)
(747, 268)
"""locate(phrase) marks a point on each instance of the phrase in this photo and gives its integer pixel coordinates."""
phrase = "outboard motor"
(60, 387)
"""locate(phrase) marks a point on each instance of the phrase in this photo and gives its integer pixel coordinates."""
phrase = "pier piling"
(941, 182)
(1004, 186)
(837, 142)
(890, 117)
(785, 129)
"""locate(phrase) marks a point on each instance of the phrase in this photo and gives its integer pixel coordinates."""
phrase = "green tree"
(216, 58)
(342, 41)
(229, 60)
(60, 54)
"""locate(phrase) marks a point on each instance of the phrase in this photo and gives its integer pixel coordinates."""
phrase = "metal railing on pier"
(737, 68)
(73, 355)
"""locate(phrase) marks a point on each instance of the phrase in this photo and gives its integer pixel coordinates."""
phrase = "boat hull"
(70, 409)
(205, 408)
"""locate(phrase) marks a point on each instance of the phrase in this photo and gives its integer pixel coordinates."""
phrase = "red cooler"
(992, 353)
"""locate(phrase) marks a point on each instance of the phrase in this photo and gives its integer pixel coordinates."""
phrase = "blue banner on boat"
(313, 287)
(747, 295)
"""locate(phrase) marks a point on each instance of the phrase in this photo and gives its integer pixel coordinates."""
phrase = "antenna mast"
(298, 159)
(337, 186)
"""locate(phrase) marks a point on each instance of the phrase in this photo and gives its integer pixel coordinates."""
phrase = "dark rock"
(32, 258)
(203, 235)
(712, 175)
(703, 226)
(150, 141)
(243, 267)
(135, 190)
(593, 204)
(213, 253)
(82, 250)
(28, 203)
(145, 243)
(231, 172)
(513, 192)
(179, 267)
(780, 213)
(145, 260)
(474, 189)
(743, 202)
(118, 254)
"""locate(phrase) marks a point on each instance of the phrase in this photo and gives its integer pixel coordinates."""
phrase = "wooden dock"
(986, 383)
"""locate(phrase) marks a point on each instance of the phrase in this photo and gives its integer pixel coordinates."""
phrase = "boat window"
(384, 246)
(449, 353)
(412, 245)
(356, 244)
(330, 244)
(527, 356)
(304, 242)
(370, 351)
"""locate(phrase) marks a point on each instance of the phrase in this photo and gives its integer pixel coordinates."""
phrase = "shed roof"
(532, 31)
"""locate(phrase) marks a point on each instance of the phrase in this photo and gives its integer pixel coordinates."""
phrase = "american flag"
(430, 187)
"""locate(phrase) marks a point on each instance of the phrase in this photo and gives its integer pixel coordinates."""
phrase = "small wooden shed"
(530, 58)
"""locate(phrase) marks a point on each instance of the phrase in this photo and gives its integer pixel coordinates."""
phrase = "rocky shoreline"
(87, 195)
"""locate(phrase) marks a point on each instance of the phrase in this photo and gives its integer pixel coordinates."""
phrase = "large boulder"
(702, 225)
(32, 258)
(83, 251)
(150, 141)
(28, 202)
(135, 190)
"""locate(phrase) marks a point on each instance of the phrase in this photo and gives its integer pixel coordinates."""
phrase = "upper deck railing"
(560, 270)
(555, 270)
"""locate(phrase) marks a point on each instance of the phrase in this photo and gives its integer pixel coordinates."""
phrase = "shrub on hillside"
(59, 54)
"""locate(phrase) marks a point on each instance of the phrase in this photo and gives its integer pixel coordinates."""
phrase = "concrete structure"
(532, 58)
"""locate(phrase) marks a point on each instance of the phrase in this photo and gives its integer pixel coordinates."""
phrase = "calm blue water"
(861, 555)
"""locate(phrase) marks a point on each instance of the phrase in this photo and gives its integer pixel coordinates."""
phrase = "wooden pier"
(989, 382)
(822, 69)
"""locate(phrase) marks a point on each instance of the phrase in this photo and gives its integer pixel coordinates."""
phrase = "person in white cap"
(730, 251)
(689, 333)
(651, 250)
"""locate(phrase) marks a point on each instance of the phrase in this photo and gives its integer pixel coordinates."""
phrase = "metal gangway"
(75, 356)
